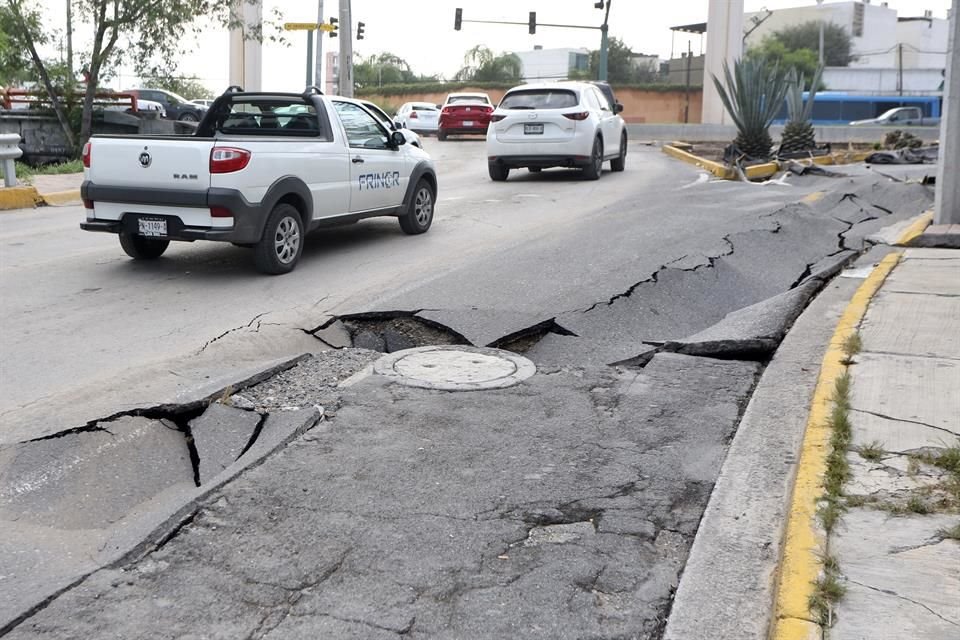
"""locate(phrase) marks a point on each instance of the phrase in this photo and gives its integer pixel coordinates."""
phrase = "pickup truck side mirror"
(397, 124)
(397, 139)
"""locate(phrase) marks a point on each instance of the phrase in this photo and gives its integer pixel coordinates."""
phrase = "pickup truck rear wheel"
(282, 241)
(419, 214)
(141, 248)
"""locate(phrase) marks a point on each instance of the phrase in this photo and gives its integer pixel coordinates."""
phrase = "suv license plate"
(535, 129)
(152, 227)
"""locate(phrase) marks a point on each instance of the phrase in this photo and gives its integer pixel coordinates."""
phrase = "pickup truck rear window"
(256, 116)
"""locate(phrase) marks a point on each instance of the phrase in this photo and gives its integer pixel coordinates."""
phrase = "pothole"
(390, 334)
(455, 368)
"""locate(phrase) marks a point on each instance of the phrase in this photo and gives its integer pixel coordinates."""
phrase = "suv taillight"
(497, 118)
(228, 159)
(581, 115)
(86, 155)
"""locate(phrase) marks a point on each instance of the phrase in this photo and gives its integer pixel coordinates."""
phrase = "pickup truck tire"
(620, 162)
(140, 248)
(419, 214)
(282, 243)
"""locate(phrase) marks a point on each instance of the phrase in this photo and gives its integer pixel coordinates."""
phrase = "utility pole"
(686, 89)
(820, 13)
(948, 187)
(318, 65)
(346, 50)
(70, 42)
(604, 41)
(310, 68)
(900, 67)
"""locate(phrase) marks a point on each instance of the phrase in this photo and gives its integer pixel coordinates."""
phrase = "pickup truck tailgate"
(180, 163)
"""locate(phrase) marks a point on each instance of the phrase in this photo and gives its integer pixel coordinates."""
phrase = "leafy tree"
(378, 70)
(14, 61)
(837, 43)
(803, 61)
(189, 88)
(150, 33)
(620, 66)
(481, 65)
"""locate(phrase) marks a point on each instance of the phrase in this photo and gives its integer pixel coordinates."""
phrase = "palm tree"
(753, 95)
(798, 134)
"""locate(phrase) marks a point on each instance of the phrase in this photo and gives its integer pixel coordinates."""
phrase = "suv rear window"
(268, 116)
(539, 99)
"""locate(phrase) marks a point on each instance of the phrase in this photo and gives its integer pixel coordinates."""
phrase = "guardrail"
(13, 98)
(9, 151)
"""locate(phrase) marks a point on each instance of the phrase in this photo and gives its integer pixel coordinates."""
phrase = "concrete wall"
(638, 105)
(871, 81)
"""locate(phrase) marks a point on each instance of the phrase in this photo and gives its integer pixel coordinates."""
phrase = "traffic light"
(598, 5)
(360, 26)
(458, 19)
(533, 22)
(336, 27)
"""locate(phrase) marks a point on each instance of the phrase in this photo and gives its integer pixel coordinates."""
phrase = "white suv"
(561, 124)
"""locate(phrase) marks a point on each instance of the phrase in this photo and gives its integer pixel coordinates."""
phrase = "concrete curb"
(757, 171)
(915, 230)
(804, 544)
(19, 198)
(60, 198)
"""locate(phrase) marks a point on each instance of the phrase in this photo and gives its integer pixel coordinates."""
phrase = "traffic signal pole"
(318, 65)
(604, 44)
(346, 50)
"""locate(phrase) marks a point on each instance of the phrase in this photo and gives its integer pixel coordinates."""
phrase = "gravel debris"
(313, 381)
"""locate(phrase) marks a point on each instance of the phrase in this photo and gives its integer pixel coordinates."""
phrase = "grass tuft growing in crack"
(828, 591)
(852, 345)
(872, 451)
(952, 533)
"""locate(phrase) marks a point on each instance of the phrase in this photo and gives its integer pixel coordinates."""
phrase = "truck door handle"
(357, 160)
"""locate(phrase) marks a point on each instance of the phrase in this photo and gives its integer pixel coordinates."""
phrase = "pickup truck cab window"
(362, 129)
(266, 116)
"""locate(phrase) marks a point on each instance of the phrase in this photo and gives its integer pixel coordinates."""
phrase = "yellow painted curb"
(716, 168)
(804, 544)
(19, 198)
(814, 197)
(55, 198)
(765, 170)
(916, 228)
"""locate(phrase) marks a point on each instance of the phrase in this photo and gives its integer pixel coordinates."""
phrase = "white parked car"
(262, 171)
(562, 124)
(202, 103)
(423, 117)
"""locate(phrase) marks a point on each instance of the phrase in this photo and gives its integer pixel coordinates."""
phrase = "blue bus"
(838, 107)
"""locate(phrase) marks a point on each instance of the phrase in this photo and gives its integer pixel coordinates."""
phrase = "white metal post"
(724, 44)
(318, 65)
(948, 187)
(346, 50)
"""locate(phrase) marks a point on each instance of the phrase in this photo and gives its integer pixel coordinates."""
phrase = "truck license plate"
(532, 129)
(152, 227)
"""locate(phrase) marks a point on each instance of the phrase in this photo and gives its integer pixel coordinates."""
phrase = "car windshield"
(539, 99)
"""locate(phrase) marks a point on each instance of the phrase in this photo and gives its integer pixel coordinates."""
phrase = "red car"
(464, 113)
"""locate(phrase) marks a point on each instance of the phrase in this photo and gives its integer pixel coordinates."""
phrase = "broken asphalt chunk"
(220, 435)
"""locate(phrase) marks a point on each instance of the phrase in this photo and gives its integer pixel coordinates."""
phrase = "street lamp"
(819, 11)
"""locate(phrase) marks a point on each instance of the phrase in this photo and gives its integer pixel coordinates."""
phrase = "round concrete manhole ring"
(455, 368)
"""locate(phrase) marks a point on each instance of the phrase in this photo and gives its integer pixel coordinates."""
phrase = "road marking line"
(916, 228)
(804, 543)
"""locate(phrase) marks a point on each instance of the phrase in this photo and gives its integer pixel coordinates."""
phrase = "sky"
(421, 32)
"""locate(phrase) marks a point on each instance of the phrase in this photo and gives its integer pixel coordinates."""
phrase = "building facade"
(553, 64)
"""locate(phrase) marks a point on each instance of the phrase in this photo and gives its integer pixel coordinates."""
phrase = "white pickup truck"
(900, 117)
(262, 171)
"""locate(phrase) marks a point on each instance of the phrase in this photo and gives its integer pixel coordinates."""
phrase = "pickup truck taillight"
(228, 159)
(86, 155)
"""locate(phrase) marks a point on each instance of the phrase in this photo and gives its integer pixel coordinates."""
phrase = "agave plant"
(798, 133)
(752, 96)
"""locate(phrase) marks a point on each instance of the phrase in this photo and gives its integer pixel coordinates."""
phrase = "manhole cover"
(455, 368)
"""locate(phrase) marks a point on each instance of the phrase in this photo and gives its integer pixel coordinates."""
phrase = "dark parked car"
(177, 107)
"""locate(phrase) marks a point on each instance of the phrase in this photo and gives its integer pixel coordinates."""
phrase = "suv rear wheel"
(592, 171)
(498, 172)
(620, 162)
(282, 243)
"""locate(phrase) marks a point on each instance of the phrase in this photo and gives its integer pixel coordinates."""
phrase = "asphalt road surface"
(87, 332)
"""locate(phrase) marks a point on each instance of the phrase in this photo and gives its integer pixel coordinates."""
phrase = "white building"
(893, 54)
(553, 64)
